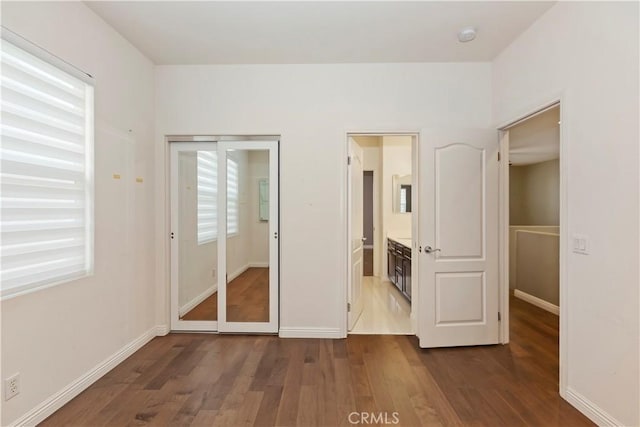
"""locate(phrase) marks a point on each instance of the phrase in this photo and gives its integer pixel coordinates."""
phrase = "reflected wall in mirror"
(198, 246)
(263, 199)
(401, 193)
(247, 255)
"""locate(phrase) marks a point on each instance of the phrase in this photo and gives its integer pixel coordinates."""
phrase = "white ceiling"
(535, 140)
(209, 32)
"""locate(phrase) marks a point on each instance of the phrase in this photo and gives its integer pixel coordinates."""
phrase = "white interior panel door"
(459, 295)
(356, 200)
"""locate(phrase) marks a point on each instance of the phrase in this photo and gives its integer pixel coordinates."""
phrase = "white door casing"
(356, 233)
(459, 296)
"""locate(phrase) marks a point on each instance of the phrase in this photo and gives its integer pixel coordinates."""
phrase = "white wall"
(396, 160)
(258, 249)
(512, 245)
(238, 243)
(55, 335)
(537, 261)
(588, 51)
(534, 197)
(312, 107)
(536, 139)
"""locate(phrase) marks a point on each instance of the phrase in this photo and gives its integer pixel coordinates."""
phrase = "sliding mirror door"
(248, 231)
(194, 236)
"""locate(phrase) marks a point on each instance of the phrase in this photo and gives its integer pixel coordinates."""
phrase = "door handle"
(430, 250)
(364, 239)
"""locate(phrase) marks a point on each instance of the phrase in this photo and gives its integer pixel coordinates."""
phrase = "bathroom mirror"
(401, 193)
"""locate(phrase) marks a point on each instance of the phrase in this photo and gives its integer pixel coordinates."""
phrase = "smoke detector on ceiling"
(466, 34)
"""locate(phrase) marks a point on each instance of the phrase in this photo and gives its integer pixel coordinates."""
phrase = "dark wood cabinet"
(406, 273)
(399, 266)
(391, 262)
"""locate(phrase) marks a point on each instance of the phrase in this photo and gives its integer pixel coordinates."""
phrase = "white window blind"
(207, 177)
(232, 197)
(207, 196)
(46, 159)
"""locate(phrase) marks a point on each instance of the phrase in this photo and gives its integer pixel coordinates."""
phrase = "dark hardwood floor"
(221, 380)
(247, 299)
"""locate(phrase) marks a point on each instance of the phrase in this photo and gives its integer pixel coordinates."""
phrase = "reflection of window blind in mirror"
(263, 195)
(403, 199)
(207, 196)
(232, 196)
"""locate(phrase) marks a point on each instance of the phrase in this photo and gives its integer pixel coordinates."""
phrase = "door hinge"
(498, 156)
(348, 307)
(499, 317)
(348, 160)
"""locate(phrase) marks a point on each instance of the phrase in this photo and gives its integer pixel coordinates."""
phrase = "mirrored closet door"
(248, 248)
(224, 236)
(194, 236)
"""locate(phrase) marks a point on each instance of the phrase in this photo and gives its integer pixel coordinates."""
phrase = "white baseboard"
(262, 264)
(198, 299)
(331, 333)
(162, 330)
(236, 273)
(245, 267)
(545, 305)
(589, 409)
(62, 397)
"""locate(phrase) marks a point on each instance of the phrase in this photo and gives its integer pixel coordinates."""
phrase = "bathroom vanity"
(399, 264)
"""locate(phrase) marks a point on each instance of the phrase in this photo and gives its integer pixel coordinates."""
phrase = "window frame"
(89, 166)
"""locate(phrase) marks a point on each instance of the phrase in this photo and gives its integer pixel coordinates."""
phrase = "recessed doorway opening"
(532, 231)
(382, 219)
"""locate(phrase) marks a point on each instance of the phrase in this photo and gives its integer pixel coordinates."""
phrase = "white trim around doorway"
(537, 108)
(343, 297)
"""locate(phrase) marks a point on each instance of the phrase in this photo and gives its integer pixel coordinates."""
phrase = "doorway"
(381, 225)
(224, 234)
(532, 228)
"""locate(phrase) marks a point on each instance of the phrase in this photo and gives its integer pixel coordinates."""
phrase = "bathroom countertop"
(403, 241)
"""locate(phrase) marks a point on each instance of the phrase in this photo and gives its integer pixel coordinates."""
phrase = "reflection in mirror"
(198, 247)
(263, 199)
(401, 193)
(248, 236)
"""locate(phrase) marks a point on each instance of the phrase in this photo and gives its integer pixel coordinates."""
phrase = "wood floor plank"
(221, 380)
(289, 403)
(247, 299)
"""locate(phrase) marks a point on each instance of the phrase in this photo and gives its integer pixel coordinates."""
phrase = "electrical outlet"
(11, 386)
(213, 273)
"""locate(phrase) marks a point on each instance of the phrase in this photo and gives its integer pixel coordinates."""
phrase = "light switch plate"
(580, 244)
